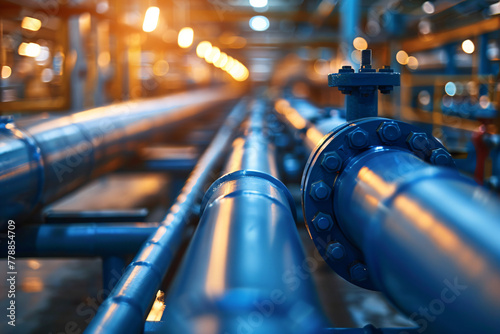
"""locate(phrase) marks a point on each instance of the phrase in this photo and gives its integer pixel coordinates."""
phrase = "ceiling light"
(258, 3)
(151, 19)
(186, 36)
(259, 23)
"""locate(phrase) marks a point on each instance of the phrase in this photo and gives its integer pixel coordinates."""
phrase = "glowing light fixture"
(29, 49)
(360, 43)
(412, 63)
(450, 88)
(428, 7)
(202, 48)
(151, 19)
(259, 23)
(402, 57)
(221, 61)
(229, 64)
(185, 38)
(468, 46)
(258, 3)
(213, 55)
(6, 71)
(30, 23)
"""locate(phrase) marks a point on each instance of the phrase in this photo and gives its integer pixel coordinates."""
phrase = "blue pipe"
(125, 310)
(241, 273)
(43, 158)
(81, 239)
(430, 238)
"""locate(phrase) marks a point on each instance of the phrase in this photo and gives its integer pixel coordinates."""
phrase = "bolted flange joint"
(320, 191)
(322, 222)
(358, 139)
(332, 162)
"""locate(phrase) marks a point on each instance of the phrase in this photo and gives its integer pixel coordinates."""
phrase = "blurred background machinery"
(187, 167)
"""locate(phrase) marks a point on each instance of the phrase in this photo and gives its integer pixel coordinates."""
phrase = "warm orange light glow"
(375, 182)
(229, 64)
(34, 264)
(468, 46)
(280, 105)
(30, 23)
(29, 49)
(321, 67)
(314, 135)
(32, 284)
(185, 38)
(157, 308)
(446, 239)
(151, 19)
(103, 59)
(203, 48)
(6, 71)
(212, 55)
(239, 72)
(412, 63)
(216, 276)
(360, 43)
(221, 61)
(402, 57)
(160, 68)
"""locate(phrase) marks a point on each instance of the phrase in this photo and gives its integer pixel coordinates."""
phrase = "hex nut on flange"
(322, 222)
(389, 131)
(358, 138)
(335, 250)
(332, 162)
(418, 141)
(358, 272)
(440, 157)
(320, 190)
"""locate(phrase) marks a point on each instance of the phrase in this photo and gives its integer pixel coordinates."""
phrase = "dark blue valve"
(361, 87)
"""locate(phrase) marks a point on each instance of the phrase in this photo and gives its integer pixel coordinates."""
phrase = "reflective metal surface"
(430, 237)
(44, 158)
(239, 273)
(125, 310)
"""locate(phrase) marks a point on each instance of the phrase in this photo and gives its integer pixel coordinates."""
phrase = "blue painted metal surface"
(425, 236)
(329, 160)
(361, 87)
(125, 310)
(430, 239)
(74, 240)
(239, 273)
(45, 157)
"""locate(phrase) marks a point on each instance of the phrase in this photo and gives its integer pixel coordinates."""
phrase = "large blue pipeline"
(238, 274)
(126, 308)
(388, 211)
(382, 201)
(430, 239)
(48, 156)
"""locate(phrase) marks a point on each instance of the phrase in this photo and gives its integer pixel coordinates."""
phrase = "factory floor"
(60, 296)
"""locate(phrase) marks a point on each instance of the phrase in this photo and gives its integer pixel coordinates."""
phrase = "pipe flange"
(344, 143)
